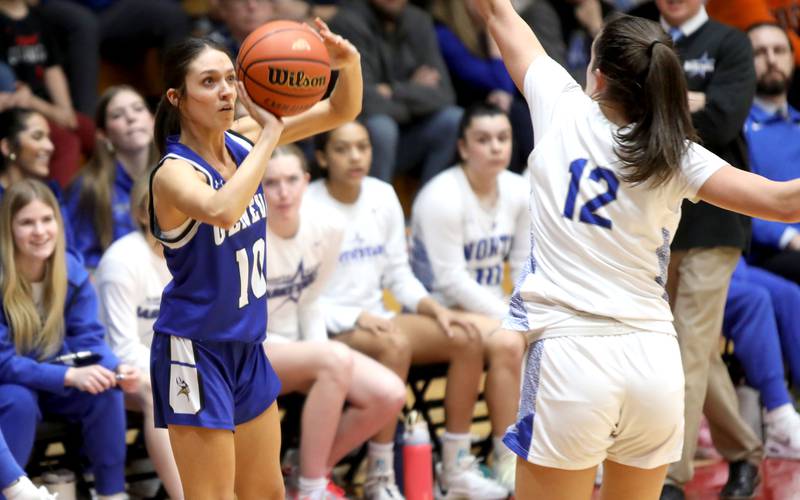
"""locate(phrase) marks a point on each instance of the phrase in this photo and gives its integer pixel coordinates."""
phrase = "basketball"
(284, 66)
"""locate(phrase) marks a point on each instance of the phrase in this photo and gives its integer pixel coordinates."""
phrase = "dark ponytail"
(176, 65)
(645, 79)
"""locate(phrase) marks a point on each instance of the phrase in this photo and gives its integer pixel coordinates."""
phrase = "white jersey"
(129, 279)
(600, 246)
(298, 269)
(374, 256)
(459, 246)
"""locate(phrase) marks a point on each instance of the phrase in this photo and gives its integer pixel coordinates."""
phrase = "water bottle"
(417, 459)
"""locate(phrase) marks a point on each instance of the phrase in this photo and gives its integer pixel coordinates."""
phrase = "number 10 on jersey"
(254, 278)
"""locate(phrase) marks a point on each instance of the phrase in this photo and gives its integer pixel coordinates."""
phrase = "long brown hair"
(32, 332)
(95, 181)
(645, 78)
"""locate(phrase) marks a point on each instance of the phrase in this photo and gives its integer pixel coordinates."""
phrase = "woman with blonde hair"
(129, 279)
(49, 313)
(98, 200)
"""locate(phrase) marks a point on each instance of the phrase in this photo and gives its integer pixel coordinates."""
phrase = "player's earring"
(12, 157)
(109, 147)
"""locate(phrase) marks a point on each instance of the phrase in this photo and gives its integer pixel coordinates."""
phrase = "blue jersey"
(218, 288)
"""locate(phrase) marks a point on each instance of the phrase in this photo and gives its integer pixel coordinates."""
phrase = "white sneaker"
(505, 470)
(467, 482)
(45, 495)
(783, 438)
(382, 487)
(24, 489)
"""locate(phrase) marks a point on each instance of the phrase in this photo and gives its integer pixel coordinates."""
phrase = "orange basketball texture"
(284, 66)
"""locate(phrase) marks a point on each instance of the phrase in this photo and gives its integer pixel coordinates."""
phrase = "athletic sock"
(454, 446)
(312, 488)
(380, 458)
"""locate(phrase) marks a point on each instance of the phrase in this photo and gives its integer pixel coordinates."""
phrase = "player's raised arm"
(518, 45)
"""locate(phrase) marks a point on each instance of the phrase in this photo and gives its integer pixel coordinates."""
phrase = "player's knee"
(338, 364)
(506, 347)
(466, 341)
(392, 393)
(395, 350)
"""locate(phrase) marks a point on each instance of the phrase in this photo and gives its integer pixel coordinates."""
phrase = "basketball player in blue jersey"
(210, 375)
(603, 380)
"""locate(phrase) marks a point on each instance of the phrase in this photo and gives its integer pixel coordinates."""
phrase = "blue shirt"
(85, 238)
(218, 290)
(83, 332)
(774, 144)
(487, 74)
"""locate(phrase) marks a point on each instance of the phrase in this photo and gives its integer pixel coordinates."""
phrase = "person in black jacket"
(718, 65)
(408, 97)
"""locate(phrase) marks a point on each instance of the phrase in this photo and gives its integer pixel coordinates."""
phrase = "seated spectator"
(14, 484)
(772, 131)
(50, 310)
(239, 18)
(478, 72)
(128, 28)
(467, 222)
(744, 14)
(25, 151)
(408, 98)
(26, 148)
(28, 49)
(349, 396)
(374, 257)
(74, 30)
(762, 317)
(129, 280)
(98, 200)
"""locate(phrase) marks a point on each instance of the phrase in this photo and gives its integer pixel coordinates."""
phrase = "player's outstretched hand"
(264, 118)
(342, 52)
(128, 378)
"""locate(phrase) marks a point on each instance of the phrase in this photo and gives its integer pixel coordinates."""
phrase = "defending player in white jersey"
(467, 222)
(374, 257)
(303, 247)
(130, 277)
(603, 378)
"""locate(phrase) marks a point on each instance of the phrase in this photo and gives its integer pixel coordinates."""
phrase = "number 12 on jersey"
(587, 211)
(255, 278)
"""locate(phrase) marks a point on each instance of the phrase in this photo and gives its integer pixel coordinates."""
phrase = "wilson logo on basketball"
(301, 44)
(282, 76)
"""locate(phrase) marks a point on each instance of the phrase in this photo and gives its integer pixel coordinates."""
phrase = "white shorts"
(588, 398)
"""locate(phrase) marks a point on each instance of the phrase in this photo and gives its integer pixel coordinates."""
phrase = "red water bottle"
(417, 460)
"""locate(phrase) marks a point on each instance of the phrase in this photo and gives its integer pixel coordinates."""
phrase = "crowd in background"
(443, 122)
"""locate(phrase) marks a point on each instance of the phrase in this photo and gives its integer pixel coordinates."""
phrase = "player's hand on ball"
(263, 117)
(341, 52)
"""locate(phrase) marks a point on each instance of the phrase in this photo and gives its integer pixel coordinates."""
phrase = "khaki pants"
(698, 287)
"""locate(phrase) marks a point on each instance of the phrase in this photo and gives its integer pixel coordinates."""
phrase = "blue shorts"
(217, 385)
